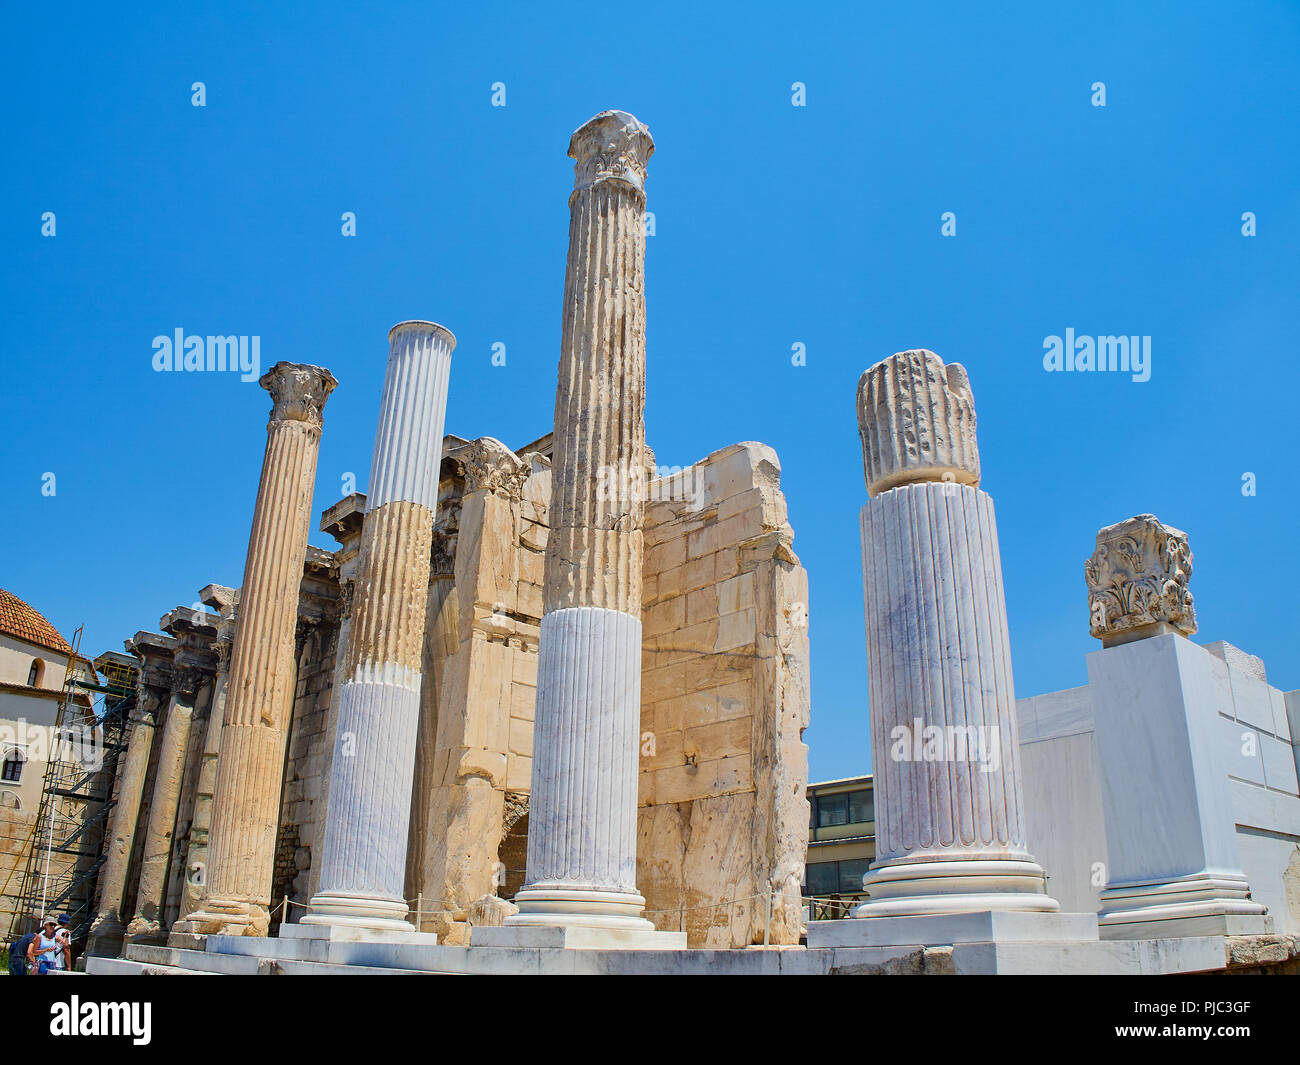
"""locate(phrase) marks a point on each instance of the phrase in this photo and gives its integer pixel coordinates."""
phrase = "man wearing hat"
(64, 936)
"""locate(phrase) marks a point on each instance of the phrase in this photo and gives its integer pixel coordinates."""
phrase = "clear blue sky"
(776, 225)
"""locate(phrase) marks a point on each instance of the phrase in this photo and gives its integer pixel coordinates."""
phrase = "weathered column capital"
(613, 146)
(186, 681)
(916, 419)
(486, 464)
(299, 392)
(1137, 582)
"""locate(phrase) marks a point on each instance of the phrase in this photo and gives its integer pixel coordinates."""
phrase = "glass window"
(12, 771)
(862, 807)
(823, 878)
(832, 810)
(851, 873)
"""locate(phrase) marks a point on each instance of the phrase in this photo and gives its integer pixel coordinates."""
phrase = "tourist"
(18, 954)
(64, 936)
(45, 947)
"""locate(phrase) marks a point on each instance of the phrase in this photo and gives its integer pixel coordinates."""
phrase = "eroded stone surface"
(1138, 581)
(916, 420)
(723, 817)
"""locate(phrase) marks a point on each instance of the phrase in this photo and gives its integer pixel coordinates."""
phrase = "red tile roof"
(19, 620)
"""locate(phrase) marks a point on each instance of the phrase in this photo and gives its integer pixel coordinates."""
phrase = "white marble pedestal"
(576, 937)
(946, 929)
(344, 933)
(1174, 868)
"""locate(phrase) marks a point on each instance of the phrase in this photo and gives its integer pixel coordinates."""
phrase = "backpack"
(18, 949)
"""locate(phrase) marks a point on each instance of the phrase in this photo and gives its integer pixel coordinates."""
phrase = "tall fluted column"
(363, 866)
(106, 930)
(255, 726)
(581, 868)
(155, 858)
(950, 822)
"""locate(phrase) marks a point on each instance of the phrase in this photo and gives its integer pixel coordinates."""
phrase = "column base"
(576, 937)
(578, 907)
(1202, 905)
(105, 939)
(226, 917)
(142, 930)
(909, 888)
(357, 911)
(348, 933)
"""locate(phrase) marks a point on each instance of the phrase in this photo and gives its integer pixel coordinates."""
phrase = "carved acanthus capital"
(486, 464)
(186, 681)
(347, 591)
(1137, 581)
(916, 420)
(298, 392)
(613, 146)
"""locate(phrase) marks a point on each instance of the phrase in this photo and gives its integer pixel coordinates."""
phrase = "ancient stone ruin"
(542, 709)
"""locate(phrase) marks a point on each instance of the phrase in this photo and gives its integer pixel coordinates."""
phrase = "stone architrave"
(1137, 582)
(581, 865)
(241, 852)
(155, 859)
(363, 865)
(950, 816)
(1173, 863)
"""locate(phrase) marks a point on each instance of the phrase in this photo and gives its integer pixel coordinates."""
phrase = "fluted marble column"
(106, 930)
(581, 868)
(950, 821)
(363, 865)
(246, 801)
(155, 858)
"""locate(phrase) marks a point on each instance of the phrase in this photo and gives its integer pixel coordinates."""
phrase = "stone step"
(198, 960)
(127, 967)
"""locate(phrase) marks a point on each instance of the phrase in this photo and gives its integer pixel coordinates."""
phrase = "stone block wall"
(723, 812)
(306, 769)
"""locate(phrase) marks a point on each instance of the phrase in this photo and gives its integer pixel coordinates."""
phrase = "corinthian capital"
(299, 392)
(1137, 582)
(613, 146)
(488, 465)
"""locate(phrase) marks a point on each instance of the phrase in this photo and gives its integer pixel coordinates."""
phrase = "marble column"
(106, 930)
(155, 858)
(581, 866)
(363, 863)
(950, 820)
(344, 521)
(241, 854)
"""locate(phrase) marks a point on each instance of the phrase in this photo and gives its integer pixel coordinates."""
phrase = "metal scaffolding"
(65, 849)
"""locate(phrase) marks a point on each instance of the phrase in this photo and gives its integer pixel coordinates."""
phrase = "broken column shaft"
(950, 818)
